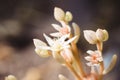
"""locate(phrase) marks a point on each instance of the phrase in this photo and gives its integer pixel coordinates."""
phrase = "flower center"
(57, 46)
(64, 30)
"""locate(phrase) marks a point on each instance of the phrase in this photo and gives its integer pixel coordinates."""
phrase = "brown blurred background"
(23, 20)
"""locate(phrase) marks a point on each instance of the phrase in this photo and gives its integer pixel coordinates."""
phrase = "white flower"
(56, 46)
(94, 59)
(64, 30)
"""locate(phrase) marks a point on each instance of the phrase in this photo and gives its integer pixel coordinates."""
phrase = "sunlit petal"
(38, 42)
(56, 34)
(57, 27)
(49, 40)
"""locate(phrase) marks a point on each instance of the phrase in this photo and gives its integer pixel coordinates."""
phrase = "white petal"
(44, 47)
(88, 58)
(70, 40)
(90, 52)
(89, 64)
(57, 34)
(90, 36)
(49, 40)
(57, 27)
(38, 42)
(100, 59)
(62, 39)
(59, 14)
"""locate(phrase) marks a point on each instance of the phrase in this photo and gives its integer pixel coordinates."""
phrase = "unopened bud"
(59, 14)
(10, 77)
(76, 31)
(90, 36)
(68, 16)
(61, 77)
(42, 53)
(102, 35)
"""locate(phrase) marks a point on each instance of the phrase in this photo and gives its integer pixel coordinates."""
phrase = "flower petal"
(90, 52)
(59, 14)
(89, 64)
(57, 34)
(62, 39)
(38, 42)
(88, 58)
(49, 40)
(90, 36)
(57, 27)
(70, 40)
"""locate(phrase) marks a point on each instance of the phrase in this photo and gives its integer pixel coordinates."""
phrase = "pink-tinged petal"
(38, 42)
(57, 34)
(88, 58)
(57, 27)
(49, 40)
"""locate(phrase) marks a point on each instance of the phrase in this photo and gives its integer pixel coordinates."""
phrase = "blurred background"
(23, 20)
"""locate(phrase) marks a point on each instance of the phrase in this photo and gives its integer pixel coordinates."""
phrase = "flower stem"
(73, 71)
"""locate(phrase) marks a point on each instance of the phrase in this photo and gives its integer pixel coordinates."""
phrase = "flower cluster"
(62, 47)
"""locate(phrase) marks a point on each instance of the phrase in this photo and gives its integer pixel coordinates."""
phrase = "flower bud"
(102, 35)
(68, 16)
(10, 77)
(90, 36)
(76, 29)
(61, 77)
(42, 53)
(59, 14)
(39, 50)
